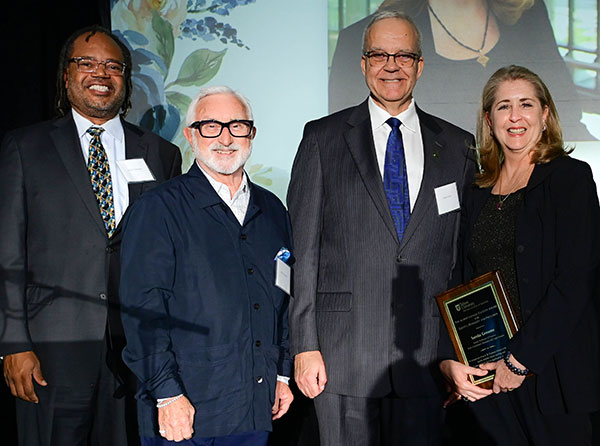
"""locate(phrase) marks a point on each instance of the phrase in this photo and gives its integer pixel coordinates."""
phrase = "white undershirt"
(411, 137)
(113, 141)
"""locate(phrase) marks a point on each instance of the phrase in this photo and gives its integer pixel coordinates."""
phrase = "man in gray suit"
(65, 185)
(374, 202)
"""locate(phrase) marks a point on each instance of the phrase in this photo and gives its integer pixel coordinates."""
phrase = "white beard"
(227, 166)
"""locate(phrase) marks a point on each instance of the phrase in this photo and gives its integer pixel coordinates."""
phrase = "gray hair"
(209, 91)
(381, 15)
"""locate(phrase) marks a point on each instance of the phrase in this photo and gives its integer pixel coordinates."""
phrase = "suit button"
(257, 343)
(256, 306)
(109, 249)
(259, 379)
(244, 237)
(520, 249)
(399, 259)
(102, 296)
(250, 270)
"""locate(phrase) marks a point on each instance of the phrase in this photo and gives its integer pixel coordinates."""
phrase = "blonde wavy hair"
(507, 11)
(490, 157)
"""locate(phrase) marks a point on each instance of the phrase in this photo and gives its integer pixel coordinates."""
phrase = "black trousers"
(514, 418)
(79, 415)
(393, 420)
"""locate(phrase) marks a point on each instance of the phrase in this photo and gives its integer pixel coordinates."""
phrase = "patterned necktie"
(395, 180)
(101, 181)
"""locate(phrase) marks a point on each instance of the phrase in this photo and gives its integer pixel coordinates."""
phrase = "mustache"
(218, 146)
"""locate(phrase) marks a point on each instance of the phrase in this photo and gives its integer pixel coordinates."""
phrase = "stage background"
(279, 53)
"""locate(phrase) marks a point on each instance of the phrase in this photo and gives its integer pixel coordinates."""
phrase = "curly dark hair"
(63, 105)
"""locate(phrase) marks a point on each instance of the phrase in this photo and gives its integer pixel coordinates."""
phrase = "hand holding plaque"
(480, 321)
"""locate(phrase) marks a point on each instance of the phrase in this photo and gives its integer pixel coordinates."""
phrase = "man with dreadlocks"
(65, 185)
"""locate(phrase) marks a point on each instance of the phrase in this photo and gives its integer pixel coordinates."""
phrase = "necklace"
(482, 59)
(501, 199)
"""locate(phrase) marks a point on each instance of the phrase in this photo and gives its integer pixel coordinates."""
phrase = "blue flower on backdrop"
(151, 30)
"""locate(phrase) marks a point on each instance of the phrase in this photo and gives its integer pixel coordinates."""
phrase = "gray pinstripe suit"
(361, 298)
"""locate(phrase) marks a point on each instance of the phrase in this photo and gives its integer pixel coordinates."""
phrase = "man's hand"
(283, 399)
(309, 373)
(19, 368)
(505, 380)
(176, 420)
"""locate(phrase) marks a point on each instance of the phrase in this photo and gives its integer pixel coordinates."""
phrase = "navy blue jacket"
(202, 315)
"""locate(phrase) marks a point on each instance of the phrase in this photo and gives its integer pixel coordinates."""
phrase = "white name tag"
(447, 198)
(283, 276)
(135, 170)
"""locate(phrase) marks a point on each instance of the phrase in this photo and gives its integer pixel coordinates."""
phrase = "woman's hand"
(457, 375)
(505, 380)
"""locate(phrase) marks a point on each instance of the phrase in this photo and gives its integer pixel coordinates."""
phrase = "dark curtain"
(31, 36)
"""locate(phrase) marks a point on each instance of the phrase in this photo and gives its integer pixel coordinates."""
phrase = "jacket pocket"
(334, 302)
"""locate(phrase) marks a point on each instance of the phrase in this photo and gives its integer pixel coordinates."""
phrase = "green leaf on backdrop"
(199, 68)
(164, 35)
(179, 100)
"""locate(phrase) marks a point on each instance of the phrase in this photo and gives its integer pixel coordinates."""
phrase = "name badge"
(283, 272)
(283, 276)
(447, 198)
(135, 170)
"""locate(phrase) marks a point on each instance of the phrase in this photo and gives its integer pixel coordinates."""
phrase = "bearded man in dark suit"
(374, 201)
(65, 186)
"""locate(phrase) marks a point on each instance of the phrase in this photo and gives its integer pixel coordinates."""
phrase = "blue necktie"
(395, 180)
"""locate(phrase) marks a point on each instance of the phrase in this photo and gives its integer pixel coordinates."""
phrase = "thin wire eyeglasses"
(402, 59)
(211, 128)
(90, 65)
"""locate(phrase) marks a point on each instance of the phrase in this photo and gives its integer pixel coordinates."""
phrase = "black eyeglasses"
(401, 59)
(90, 65)
(211, 128)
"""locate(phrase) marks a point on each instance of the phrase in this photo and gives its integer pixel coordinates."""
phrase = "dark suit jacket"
(362, 298)
(59, 271)
(557, 258)
(201, 312)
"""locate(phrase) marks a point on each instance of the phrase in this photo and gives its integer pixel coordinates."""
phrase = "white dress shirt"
(411, 137)
(113, 141)
(239, 202)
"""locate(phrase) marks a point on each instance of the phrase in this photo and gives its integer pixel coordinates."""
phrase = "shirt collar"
(113, 126)
(379, 116)
(222, 189)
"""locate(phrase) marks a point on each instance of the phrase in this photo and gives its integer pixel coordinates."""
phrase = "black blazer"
(58, 270)
(557, 258)
(361, 297)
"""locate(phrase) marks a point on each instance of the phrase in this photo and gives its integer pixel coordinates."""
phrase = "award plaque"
(480, 320)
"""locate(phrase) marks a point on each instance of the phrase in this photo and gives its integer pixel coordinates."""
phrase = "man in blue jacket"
(206, 326)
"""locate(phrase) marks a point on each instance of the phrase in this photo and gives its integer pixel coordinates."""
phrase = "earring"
(544, 128)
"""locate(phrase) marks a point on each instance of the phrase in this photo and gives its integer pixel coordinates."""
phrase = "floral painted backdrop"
(153, 29)
(272, 51)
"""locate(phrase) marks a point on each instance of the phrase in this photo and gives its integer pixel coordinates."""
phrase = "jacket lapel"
(134, 148)
(434, 161)
(359, 139)
(67, 145)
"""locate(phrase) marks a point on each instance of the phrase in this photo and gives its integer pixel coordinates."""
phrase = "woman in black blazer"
(533, 213)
